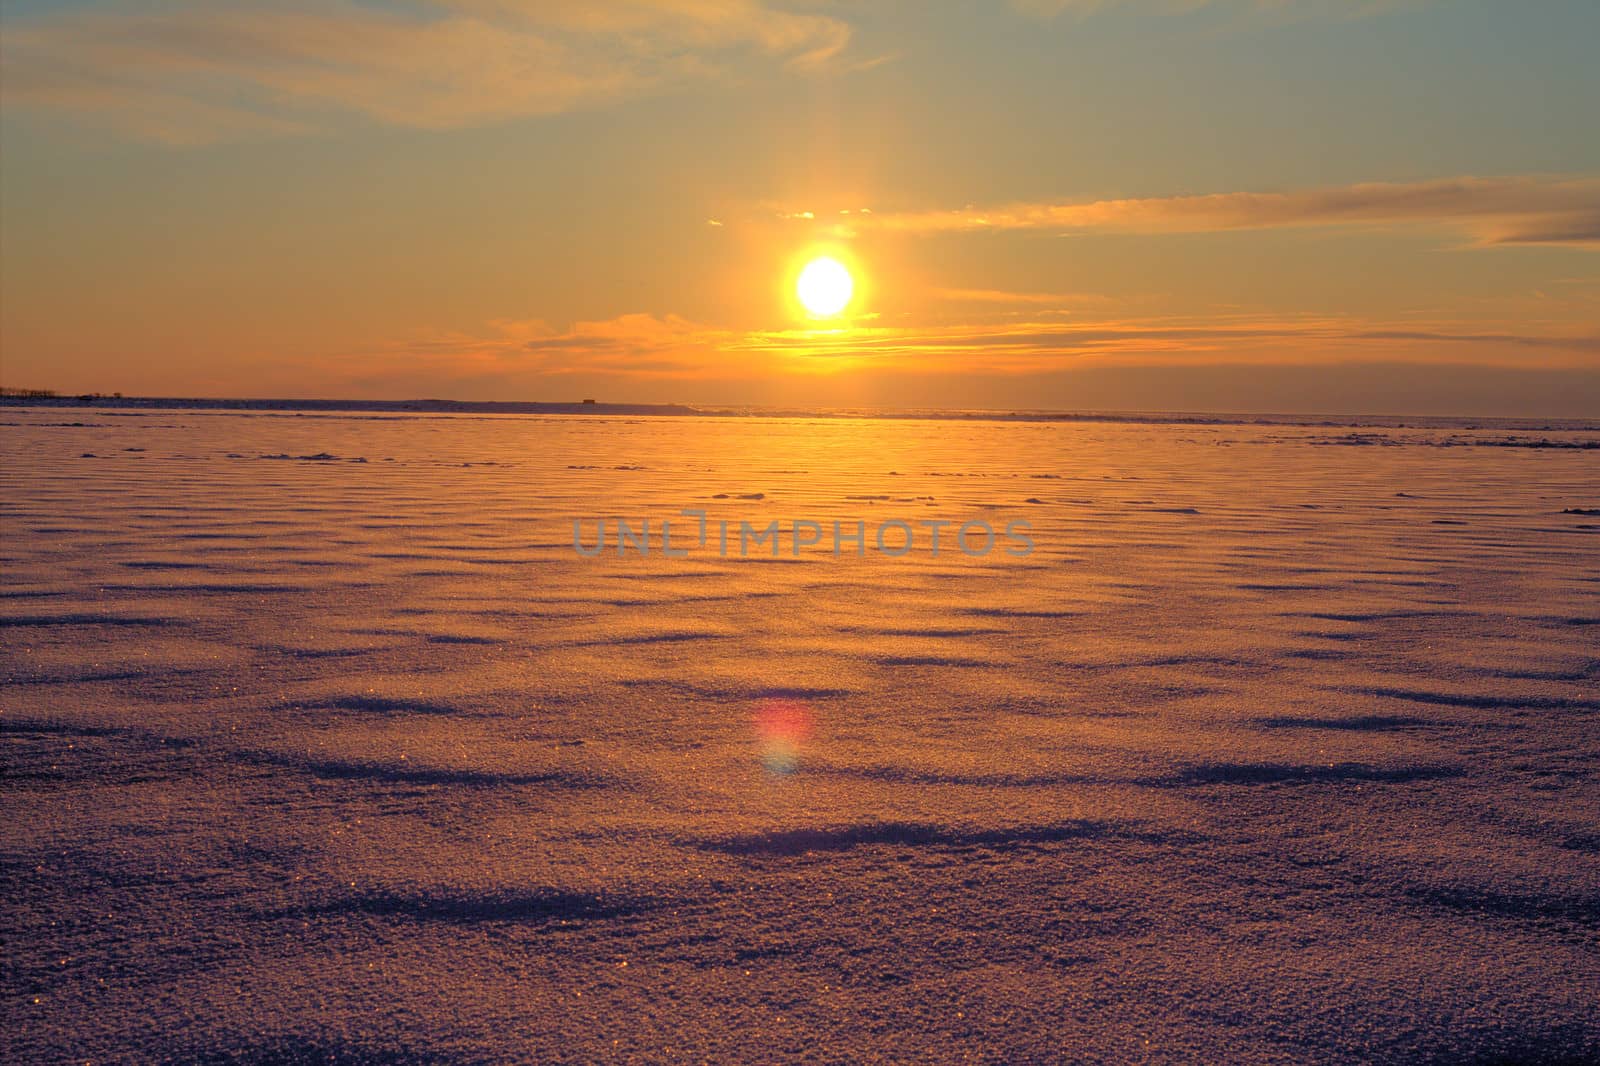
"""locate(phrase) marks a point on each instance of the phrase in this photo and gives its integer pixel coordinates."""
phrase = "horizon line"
(15, 397)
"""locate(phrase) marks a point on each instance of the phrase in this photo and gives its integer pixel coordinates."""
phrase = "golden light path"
(824, 287)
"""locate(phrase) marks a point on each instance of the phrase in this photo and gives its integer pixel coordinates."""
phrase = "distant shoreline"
(674, 410)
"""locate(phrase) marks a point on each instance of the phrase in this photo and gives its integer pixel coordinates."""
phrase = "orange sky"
(1234, 205)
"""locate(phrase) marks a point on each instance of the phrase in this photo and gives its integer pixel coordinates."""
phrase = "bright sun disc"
(824, 287)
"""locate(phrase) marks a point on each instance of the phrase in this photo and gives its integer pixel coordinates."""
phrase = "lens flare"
(783, 727)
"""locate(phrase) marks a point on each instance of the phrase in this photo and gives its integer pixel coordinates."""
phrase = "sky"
(1335, 206)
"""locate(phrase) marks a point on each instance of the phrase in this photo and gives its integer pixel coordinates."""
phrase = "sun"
(824, 287)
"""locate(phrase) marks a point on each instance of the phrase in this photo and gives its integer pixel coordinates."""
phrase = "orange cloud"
(1512, 210)
(642, 347)
(1001, 296)
(806, 39)
(195, 72)
(1030, 347)
(632, 345)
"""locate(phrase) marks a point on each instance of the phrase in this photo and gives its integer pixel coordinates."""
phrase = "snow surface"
(321, 744)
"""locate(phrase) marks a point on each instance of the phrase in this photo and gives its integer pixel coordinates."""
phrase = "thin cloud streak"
(642, 347)
(1343, 9)
(1036, 299)
(1493, 211)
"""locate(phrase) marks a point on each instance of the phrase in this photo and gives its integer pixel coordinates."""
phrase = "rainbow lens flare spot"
(782, 727)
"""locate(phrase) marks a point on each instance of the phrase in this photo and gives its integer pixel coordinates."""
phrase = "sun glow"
(824, 287)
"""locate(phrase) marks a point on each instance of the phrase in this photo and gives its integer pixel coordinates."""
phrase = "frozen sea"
(323, 743)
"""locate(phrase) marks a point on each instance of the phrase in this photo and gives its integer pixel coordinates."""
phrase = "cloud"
(201, 72)
(651, 25)
(644, 348)
(631, 345)
(665, 346)
(1035, 346)
(1294, 8)
(1510, 210)
(1002, 296)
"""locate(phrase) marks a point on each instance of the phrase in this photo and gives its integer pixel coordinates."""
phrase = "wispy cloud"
(1509, 210)
(199, 72)
(1035, 299)
(633, 345)
(650, 348)
(1299, 8)
(1028, 347)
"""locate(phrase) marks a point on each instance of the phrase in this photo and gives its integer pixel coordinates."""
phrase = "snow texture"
(321, 744)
